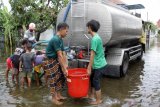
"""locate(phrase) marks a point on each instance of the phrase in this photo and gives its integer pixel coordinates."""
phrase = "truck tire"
(125, 64)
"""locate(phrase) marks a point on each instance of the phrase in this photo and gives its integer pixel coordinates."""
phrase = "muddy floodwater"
(139, 88)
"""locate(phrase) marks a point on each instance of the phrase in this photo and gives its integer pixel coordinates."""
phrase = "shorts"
(96, 76)
(15, 71)
(9, 63)
(26, 74)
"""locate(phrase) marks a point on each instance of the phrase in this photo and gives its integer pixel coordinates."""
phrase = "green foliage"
(43, 13)
(158, 32)
(8, 25)
(150, 26)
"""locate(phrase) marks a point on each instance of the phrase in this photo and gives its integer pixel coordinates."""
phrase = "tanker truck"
(120, 32)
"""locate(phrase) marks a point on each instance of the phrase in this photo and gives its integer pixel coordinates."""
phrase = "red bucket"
(78, 82)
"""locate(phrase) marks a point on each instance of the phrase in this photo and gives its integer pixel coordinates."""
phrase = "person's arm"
(33, 60)
(25, 35)
(20, 63)
(89, 68)
(34, 35)
(65, 58)
(62, 62)
(20, 66)
(93, 51)
(12, 61)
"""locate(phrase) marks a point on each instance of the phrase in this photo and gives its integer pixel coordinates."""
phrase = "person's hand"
(66, 65)
(65, 71)
(89, 71)
(20, 69)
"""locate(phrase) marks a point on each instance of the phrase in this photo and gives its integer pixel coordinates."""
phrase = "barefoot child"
(10, 62)
(15, 64)
(26, 65)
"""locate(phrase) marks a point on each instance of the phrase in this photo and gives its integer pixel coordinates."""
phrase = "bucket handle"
(84, 78)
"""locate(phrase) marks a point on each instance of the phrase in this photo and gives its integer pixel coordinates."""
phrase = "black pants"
(96, 76)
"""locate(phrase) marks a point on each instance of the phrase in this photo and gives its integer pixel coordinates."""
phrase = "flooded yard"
(139, 88)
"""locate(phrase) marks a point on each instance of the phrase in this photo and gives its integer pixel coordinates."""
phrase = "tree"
(158, 32)
(42, 12)
(8, 27)
(150, 26)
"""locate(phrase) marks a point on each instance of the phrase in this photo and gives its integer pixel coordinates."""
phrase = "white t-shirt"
(29, 35)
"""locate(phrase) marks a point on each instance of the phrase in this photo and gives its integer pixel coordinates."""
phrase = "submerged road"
(139, 88)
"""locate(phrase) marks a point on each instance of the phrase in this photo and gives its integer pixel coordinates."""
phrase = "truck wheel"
(125, 63)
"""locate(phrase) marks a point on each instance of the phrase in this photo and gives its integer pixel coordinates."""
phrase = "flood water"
(139, 88)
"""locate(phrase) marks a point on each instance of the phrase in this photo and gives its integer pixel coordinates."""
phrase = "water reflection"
(118, 89)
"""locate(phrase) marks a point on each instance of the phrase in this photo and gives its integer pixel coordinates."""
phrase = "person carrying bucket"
(97, 64)
(55, 66)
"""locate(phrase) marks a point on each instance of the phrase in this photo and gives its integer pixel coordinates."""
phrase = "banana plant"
(8, 26)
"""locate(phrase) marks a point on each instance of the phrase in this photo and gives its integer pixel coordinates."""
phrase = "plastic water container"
(78, 82)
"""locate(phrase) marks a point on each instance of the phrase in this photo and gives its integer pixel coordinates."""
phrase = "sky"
(6, 3)
(150, 13)
(152, 8)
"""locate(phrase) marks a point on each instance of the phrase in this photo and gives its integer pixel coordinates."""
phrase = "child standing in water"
(38, 65)
(15, 64)
(26, 64)
(12, 62)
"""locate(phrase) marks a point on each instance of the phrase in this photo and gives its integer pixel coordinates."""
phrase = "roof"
(135, 6)
(132, 7)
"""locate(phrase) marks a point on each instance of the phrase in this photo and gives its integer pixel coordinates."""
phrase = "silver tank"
(117, 24)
